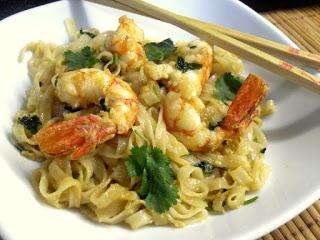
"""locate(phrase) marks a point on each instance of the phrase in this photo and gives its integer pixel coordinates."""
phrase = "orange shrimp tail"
(244, 105)
(76, 136)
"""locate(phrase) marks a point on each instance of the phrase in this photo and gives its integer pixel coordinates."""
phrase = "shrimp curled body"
(81, 88)
(126, 42)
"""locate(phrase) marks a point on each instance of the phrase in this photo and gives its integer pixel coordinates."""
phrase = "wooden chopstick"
(303, 57)
(237, 47)
(297, 55)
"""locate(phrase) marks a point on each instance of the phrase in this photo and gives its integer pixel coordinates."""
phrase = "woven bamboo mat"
(303, 27)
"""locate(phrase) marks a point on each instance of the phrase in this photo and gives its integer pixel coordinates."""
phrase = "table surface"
(302, 25)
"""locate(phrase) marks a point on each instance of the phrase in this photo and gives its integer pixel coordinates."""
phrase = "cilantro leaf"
(184, 66)
(31, 123)
(251, 200)
(157, 52)
(157, 182)
(84, 59)
(206, 167)
(227, 85)
(90, 34)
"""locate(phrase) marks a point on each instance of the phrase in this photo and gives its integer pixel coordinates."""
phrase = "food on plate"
(139, 131)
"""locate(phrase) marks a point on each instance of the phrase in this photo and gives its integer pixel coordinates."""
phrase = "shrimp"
(76, 136)
(81, 88)
(126, 42)
(182, 116)
(190, 83)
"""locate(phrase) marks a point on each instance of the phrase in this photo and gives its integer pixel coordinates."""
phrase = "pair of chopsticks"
(238, 43)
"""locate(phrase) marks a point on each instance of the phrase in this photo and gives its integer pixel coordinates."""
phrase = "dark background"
(9, 7)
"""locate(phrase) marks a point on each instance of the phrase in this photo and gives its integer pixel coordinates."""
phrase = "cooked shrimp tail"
(126, 42)
(244, 105)
(76, 136)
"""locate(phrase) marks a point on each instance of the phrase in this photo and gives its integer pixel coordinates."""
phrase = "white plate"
(293, 132)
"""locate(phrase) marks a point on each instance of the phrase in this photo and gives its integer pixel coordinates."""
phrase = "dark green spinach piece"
(184, 66)
(31, 123)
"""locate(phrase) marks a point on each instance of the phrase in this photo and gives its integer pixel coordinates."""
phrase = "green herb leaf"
(157, 184)
(84, 59)
(184, 66)
(157, 52)
(251, 200)
(227, 85)
(104, 107)
(92, 35)
(207, 168)
(31, 123)
(263, 150)
(192, 47)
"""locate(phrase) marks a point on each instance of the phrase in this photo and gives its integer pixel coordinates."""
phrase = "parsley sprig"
(157, 52)
(227, 86)
(157, 178)
(84, 59)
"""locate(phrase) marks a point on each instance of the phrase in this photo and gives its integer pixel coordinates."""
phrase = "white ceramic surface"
(293, 131)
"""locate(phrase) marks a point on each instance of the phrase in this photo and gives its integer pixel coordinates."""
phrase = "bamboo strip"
(284, 30)
(292, 30)
(316, 20)
(317, 205)
(314, 214)
(267, 237)
(290, 15)
(295, 231)
(310, 11)
(310, 223)
(268, 15)
(286, 232)
(303, 228)
(277, 235)
(293, 14)
(309, 34)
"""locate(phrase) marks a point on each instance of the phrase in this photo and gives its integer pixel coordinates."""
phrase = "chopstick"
(237, 47)
(303, 57)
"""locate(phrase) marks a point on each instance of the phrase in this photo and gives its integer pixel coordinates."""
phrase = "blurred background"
(9, 7)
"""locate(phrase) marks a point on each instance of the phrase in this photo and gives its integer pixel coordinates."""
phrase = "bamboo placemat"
(303, 27)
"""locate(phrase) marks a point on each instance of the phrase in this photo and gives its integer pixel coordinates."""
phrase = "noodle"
(98, 183)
